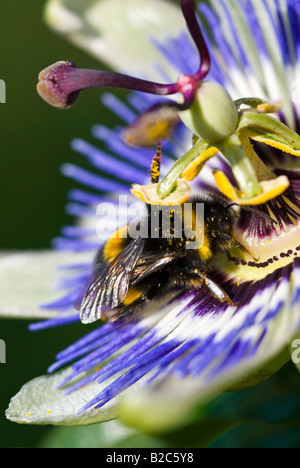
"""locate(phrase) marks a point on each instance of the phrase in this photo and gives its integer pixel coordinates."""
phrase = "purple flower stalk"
(60, 84)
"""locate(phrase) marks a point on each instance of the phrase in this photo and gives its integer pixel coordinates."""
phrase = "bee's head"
(219, 217)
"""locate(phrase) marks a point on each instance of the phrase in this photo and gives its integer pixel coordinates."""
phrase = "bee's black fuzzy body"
(129, 272)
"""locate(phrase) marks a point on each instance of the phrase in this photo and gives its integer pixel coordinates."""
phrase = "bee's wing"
(151, 263)
(110, 288)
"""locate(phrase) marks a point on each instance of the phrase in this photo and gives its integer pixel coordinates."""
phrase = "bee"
(130, 272)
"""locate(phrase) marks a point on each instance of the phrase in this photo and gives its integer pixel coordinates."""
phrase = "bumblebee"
(129, 272)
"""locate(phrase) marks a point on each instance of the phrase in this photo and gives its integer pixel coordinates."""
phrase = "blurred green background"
(34, 144)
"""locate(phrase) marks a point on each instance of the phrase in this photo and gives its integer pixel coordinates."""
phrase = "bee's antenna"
(155, 167)
(243, 207)
(230, 206)
(254, 211)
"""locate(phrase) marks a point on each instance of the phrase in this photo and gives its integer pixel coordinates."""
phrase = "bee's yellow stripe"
(132, 295)
(115, 244)
(205, 251)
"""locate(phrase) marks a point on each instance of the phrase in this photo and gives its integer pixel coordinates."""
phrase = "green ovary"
(213, 115)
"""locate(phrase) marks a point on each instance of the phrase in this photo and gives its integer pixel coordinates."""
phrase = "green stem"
(169, 181)
(241, 166)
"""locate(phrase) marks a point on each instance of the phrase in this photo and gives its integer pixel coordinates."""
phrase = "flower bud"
(213, 115)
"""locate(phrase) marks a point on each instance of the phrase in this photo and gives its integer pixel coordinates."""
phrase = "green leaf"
(196, 435)
(271, 413)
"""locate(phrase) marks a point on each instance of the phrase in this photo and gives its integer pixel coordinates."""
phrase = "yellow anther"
(196, 166)
(270, 189)
(149, 195)
(264, 138)
(267, 108)
(152, 127)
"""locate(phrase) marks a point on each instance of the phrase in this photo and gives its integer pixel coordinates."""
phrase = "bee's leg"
(218, 292)
(195, 279)
(230, 242)
(236, 243)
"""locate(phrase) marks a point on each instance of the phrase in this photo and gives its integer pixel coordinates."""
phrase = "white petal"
(118, 31)
(39, 402)
(28, 280)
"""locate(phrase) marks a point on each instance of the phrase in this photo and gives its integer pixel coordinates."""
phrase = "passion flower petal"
(29, 280)
(40, 402)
